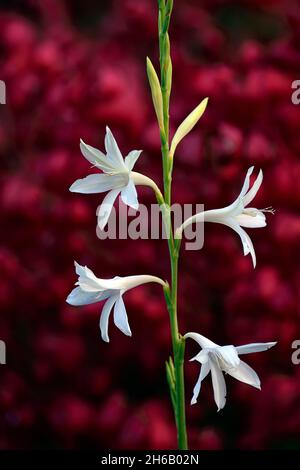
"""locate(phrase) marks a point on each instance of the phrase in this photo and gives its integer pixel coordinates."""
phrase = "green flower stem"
(178, 352)
(175, 367)
(166, 172)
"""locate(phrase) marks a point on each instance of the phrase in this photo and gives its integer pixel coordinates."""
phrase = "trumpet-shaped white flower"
(91, 289)
(218, 359)
(237, 214)
(117, 177)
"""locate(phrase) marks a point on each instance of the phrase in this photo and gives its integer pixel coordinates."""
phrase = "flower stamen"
(269, 209)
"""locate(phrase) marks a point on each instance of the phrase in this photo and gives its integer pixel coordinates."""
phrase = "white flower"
(218, 359)
(91, 289)
(117, 176)
(236, 215)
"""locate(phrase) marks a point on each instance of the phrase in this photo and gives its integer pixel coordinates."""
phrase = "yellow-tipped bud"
(156, 93)
(187, 125)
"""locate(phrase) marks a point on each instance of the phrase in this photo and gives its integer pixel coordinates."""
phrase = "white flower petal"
(250, 248)
(98, 183)
(131, 159)
(254, 347)
(251, 218)
(129, 195)
(246, 374)
(87, 279)
(80, 297)
(113, 152)
(93, 283)
(228, 357)
(233, 209)
(106, 207)
(237, 206)
(246, 240)
(105, 317)
(89, 282)
(234, 225)
(205, 368)
(201, 357)
(250, 195)
(95, 156)
(201, 340)
(218, 382)
(120, 317)
(83, 270)
(246, 182)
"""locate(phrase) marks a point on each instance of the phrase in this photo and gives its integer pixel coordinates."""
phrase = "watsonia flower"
(91, 289)
(218, 359)
(117, 177)
(237, 214)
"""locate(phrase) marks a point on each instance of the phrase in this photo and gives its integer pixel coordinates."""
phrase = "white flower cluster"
(118, 178)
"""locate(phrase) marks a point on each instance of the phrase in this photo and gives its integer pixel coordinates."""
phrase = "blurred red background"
(70, 70)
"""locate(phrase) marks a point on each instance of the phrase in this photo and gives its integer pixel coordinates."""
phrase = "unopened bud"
(156, 93)
(187, 125)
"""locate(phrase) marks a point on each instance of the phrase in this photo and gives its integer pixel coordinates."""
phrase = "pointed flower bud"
(156, 93)
(187, 125)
